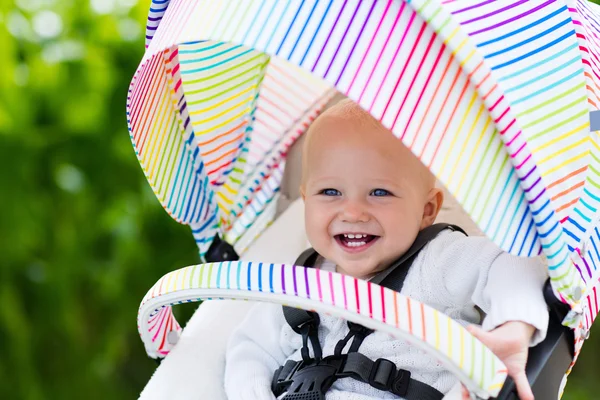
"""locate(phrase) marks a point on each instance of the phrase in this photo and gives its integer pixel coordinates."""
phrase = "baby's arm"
(254, 353)
(474, 271)
(514, 292)
(517, 315)
(509, 289)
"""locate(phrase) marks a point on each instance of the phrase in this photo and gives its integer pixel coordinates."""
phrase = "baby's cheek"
(317, 237)
(398, 246)
(316, 222)
(310, 223)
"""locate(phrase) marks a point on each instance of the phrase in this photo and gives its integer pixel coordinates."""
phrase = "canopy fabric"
(211, 148)
(493, 97)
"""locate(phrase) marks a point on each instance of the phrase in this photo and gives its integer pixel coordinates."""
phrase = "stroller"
(497, 99)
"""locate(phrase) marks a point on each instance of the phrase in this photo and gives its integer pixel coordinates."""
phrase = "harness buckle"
(399, 385)
(307, 380)
(384, 376)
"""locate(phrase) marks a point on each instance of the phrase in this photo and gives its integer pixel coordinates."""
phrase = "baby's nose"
(354, 212)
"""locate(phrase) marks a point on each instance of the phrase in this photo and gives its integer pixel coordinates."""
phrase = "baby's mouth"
(355, 241)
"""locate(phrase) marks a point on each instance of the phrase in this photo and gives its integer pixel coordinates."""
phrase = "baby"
(366, 198)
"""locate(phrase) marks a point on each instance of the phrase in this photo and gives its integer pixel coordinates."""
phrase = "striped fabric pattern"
(493, 97)
(533, 53)
(460, 93)
(155, 14)
(209, 145)
(359, 301)
(424, 112)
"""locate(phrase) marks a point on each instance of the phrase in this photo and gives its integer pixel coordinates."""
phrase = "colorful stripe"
(419, 324)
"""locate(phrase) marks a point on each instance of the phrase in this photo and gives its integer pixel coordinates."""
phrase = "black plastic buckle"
(337, 361)
(399, 385)
(299, 365)
(382, 374)
(281, 381)
(311, 381)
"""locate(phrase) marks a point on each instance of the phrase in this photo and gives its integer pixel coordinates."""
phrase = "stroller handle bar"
(328, 292)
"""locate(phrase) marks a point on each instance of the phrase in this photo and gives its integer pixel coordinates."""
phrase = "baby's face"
(365, 196)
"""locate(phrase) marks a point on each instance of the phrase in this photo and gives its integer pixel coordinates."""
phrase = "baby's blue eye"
(380, 192)
(330, 192)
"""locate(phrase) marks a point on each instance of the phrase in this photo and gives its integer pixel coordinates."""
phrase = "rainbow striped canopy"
(493, 97)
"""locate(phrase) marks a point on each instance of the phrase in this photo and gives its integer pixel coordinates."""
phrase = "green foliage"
(82, 237)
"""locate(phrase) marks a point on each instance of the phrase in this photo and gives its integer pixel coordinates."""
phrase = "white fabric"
(453, 273)
(194, 368)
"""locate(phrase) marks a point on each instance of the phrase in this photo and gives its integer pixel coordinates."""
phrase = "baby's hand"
(510, 342)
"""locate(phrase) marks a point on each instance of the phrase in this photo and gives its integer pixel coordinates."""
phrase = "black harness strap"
(310, 380)
(357, 333)
(305, 323)
(312, 377)
(394, 276)
(383, 375)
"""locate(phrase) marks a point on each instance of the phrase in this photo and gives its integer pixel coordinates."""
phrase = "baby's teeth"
(359, 236)
(351, 235)
(356, 244)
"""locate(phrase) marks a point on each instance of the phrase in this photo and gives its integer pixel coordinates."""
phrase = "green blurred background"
(82, 237)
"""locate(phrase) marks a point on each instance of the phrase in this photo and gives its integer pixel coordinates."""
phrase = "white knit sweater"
(453, 274)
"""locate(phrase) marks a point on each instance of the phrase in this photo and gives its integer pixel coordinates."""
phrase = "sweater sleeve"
(506, 287)
(254, 353)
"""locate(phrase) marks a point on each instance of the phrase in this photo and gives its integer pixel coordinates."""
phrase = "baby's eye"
(330, 192)
(380, 192)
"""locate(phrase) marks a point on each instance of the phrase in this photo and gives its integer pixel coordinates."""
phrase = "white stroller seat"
(196, 364)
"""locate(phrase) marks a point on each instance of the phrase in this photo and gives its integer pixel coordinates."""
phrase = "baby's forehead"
(335, 130)
(346, 124)
(376, 151)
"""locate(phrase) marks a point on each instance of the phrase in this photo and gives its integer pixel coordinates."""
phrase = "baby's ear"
(435, 199)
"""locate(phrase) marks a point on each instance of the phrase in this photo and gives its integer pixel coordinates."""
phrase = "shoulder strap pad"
(394, 276)
(307, 258)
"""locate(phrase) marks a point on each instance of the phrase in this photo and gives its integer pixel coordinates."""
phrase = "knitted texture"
(453, 273)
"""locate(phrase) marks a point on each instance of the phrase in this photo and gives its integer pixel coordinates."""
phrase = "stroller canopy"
(493, 97)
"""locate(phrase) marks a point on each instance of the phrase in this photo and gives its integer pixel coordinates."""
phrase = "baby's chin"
(357, 269)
